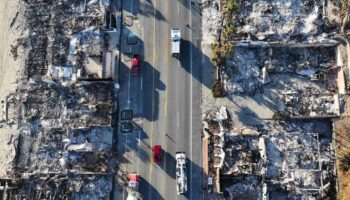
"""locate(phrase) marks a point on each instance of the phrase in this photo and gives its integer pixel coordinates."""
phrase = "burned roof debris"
(294, 158)
(64, 144)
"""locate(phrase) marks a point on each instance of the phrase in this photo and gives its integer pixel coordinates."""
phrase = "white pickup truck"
(181, 174)
(175, 42)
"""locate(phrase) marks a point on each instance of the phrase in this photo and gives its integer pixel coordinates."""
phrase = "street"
(164, 97)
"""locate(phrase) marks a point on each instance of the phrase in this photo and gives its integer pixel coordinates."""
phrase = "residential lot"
(285, 84)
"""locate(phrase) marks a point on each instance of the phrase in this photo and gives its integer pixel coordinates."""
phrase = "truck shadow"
(170, 165)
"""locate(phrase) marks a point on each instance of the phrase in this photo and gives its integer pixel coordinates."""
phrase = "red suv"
(135, 64)
(156, 153)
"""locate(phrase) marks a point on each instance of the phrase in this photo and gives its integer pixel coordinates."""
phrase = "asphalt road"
(165, 98)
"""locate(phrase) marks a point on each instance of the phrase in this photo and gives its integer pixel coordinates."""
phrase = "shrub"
(345, 162)
(228, 32)
(229, 7)
(218, 90)
(281, 116)
(220, 53)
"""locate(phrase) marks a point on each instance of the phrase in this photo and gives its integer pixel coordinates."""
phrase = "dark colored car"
(157, 149)
(126, 127)
(135, 64)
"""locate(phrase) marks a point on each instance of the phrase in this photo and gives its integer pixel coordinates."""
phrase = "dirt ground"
(9, 70)
(342, 130)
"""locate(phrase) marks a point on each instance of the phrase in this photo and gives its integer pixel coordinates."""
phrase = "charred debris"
(282, 159)
(270, 134)
(63, 107)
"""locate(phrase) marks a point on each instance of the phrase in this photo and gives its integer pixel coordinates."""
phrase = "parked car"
(157, 149)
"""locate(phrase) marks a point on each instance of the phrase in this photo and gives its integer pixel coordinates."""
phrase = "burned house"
(57, 186)
(66, 40)
(274, 20)
(290, 160)
(300, 81)
(63, 106)
(52, 105)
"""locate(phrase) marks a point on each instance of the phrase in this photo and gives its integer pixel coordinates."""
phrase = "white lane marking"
(129, 83)
(132, 7)
(178, 120)
(141, 82)
(126, 166)
(131, 12)
(139, 138)
(191, 76)
(139, 144)
(178, 8)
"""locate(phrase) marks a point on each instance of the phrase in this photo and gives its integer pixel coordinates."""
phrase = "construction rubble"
(280, 160)
(63, 106)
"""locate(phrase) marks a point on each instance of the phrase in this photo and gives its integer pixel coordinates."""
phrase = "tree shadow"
(195, 5)
(146, 9)
(249, 117)
(149, 10)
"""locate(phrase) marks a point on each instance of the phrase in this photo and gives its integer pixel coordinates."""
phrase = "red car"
(156, 153)
(135, 64)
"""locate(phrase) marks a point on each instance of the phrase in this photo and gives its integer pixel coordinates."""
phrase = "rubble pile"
(287, 64)
(79, 105)
(54, 26)
(56, 186)
(284, 20)
(252, 67)
(245, 187)
(243, 155)
(310, 102)
(65, 136)
(300, 161)
(212, 20)
(65, 151)
(294, 158)
(303, 80)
